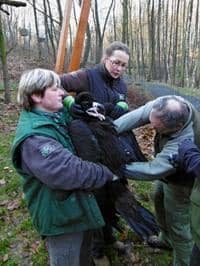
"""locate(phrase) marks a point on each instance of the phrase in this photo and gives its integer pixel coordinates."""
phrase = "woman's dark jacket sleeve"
(58, 168)
(76, 81)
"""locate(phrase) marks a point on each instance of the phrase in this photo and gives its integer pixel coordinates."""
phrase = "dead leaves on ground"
(11, 204)
(8, 117)
(145, 136)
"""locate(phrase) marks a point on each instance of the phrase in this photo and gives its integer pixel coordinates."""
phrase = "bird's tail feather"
(140, 219)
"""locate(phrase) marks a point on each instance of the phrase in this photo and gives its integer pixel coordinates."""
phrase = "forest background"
(163, 36)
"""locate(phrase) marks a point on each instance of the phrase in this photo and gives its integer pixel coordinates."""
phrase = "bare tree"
(114, 21)
(196, 58)
(125, 5)
(163, 36)
(175, 43)
(46, 26)
(11, 29)
(51, 31)
(60, 13)
(165, 40)
(158, 39)
(189, 20)
(100, 33)
(151, 35)
(3, 50)
(141, 43)
(183, 41)
(130, 39)
(37, 29)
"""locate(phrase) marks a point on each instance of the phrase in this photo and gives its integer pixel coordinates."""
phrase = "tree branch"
(3, 10)
(12, 3)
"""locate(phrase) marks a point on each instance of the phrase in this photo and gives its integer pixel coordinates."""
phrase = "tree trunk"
(37, 30)
(175, 43)
(182, 65)
(99, 35)
(59, 13)
(196, 74)
(3, 56)
(51, 32)
(158, 40)
(87, 47)
(165, 40)
(125, 21)
(189, 18)
(151, 35)
(141, 43)
(114, 22)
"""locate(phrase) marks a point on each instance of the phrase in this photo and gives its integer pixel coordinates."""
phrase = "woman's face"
(117, 63)
(52, 99)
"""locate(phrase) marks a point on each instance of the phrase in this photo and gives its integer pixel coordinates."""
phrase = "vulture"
(95, 139)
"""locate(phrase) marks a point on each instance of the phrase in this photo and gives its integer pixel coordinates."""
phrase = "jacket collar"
(106, 75)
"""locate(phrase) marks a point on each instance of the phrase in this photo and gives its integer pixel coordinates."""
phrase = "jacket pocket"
(67, 211)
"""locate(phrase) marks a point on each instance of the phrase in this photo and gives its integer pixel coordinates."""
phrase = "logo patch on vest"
(47, 149)
(121, 96)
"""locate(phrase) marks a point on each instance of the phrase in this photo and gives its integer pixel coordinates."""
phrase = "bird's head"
(89, 106)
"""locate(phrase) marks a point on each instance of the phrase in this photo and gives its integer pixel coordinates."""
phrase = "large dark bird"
(96, 140)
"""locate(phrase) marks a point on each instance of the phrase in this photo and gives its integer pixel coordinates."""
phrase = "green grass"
(183, 90)
(19, 242)
(13, 86)
(189, 91)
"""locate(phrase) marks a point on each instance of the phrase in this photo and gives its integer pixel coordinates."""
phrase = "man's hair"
(35, 81)
(116, 46)
(173, 111)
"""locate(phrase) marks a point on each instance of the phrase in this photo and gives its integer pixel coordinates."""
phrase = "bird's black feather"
(97, 141)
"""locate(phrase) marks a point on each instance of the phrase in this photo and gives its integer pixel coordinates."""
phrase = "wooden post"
(63, 38)
(79, 40)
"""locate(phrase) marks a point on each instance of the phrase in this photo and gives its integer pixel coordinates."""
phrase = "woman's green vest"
(53, 212)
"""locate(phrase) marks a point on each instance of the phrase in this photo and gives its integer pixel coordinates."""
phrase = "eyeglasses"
(117, 63)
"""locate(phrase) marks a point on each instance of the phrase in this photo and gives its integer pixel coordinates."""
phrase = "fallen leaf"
(5, 257)
(35, 246)
(12, 205)
(4, 202)
(2, 182)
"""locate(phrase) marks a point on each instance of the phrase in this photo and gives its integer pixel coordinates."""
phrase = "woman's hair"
(35, 81)
(116, 46)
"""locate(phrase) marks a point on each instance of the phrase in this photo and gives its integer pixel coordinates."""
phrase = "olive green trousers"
(172, 207)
